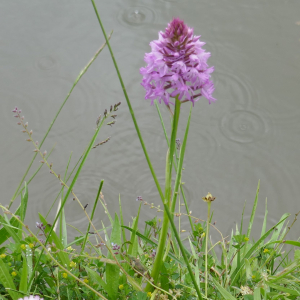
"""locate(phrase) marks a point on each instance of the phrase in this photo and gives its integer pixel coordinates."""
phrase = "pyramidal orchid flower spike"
(177, 66)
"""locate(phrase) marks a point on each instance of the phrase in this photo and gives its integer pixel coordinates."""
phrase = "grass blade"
(133, 240)
(92, 215)
(112, 272)
(222, 291)
(23, 281)
(263, 229)
(253, 211)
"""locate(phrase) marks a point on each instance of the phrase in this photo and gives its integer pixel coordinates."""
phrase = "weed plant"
(140, 263)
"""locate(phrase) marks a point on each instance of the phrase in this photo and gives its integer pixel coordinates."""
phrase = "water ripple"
(136, 16)
(46, 62)
(243, 126)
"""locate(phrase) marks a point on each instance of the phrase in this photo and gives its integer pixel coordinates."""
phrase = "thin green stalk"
(45, 136)
(129, 106)
(92, 216)
(206, 240)
(162, 237)
(180, 163)
(175, 167)
(165, 226)
(166, 209)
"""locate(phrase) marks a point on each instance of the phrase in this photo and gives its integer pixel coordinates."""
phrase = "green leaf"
(297, 254)
(283, 289)
(96, 277)
(112, 271)
(294, 243)
(122, 221)
(263, 229)
(256, 294)
(133, 240)
(12, 232)
(253, 211)
(222, 291)
(92, 215)
(248, 269)
(7, 281)
(23, 282)
(29, 262)
(24, 200)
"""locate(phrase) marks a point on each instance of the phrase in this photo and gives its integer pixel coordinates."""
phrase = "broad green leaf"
(29, 262)
(7, 281)
(23, 282)
(256, 294)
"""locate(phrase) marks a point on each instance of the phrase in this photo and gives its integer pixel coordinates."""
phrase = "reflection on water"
(250, 133)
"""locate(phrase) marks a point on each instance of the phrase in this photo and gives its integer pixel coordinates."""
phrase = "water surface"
(251, 133)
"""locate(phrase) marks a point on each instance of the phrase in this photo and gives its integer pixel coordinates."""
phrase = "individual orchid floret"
(31, 297)
(177, 66)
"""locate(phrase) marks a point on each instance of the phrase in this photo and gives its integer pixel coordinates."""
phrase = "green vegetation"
(153, 262)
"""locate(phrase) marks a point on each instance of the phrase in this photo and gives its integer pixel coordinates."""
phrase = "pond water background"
(251, 133)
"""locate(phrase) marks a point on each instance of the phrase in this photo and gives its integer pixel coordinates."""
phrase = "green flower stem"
(206, 240)
(165, 226)
(181, 188)
(129, 106)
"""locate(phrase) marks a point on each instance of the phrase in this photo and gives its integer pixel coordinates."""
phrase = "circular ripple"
(136, 16)
(46, 62)
(235, 89)
(243, 126)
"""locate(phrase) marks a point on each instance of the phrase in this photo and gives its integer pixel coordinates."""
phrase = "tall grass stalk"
(206, 241)
(129, 105)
